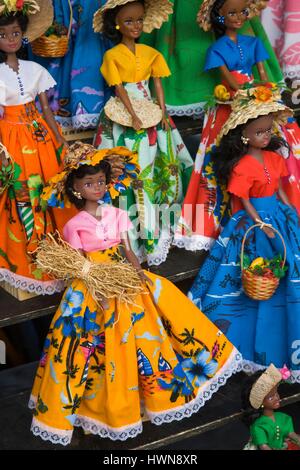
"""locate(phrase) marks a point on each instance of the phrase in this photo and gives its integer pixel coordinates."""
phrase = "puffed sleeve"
(260, 52)
(282, 167)
(160, 67)
(240, 183)
(214, 58)
(71, 235)
(258, 434)
(110, 70)
(45, 81)
(124, 223)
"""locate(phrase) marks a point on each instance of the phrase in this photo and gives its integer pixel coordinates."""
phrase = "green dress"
(272, 433)
(184, 44)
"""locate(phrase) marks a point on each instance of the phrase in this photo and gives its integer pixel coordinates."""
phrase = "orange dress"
(37, 157)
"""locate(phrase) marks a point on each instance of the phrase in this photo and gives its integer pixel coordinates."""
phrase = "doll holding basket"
(264, 330)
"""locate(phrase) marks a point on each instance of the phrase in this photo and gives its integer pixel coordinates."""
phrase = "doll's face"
(10, 38)
(272, 400)
(130, 19)
(91, 187)
(259, 131)
(235, 13)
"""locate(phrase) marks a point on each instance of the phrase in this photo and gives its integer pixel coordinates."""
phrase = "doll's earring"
(117, 26)
(76, 194)
(245, 140)
(221, 19)
(25, 41)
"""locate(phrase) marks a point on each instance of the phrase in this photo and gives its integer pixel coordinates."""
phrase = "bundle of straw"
(104, 280)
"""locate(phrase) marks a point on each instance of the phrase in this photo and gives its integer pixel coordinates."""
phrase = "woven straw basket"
(259, 287)
(56, 46)
(10, 175)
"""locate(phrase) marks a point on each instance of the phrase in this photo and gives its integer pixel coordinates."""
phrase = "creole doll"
(34, 143)
(165, 162)
(270, 429)
(102, 358)
(235, 55)
(248, 164)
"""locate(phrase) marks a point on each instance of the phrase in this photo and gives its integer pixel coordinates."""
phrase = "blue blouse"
(239, 56)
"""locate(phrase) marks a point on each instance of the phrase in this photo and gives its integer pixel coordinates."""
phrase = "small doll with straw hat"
(121, 336)
(33, 141)
(258, 250)
(270, 429)
(134, 120)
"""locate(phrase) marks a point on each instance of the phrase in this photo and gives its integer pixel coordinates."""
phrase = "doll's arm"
(251, 211)
(229, 78)
(295, 437)
(282, 195)
(262, 71)
(49, 118)
(161, 101)
(130, 256)
(123, 95)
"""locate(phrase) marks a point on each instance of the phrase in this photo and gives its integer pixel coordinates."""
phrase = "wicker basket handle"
(4, 150)
(71, 19)
(261, 224)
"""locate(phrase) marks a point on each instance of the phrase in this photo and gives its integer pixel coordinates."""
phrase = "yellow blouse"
(121, 65)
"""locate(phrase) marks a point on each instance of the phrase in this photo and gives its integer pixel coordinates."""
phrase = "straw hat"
(39, 12)
(252, 102)
(203, 16)
(268, 380)
(54, 193)
(148, 112)
(156, 12)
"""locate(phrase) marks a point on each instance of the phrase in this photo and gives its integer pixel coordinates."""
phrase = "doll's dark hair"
(8, 19)
(109, 23)
(250, 414)
(217, 27)
(80, 173)
(231, 149)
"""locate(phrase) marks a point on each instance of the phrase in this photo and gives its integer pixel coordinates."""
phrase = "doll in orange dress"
(34, 143)
(103, 358)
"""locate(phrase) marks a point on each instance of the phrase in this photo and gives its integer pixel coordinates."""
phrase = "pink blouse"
(87, 233)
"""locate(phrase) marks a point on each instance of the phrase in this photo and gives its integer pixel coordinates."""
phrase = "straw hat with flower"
(266, 382)
(252, 102)
(203, 16)
(54, 193)
(156, 12)
(39, 12)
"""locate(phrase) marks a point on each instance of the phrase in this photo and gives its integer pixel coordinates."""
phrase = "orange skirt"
(37, 157)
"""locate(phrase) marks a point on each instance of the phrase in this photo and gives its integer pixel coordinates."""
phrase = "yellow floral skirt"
(98, 365)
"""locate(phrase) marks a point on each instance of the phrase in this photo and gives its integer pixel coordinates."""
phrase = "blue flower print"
(71, 302)
(179, 385)
(86, 323)
(197, 369)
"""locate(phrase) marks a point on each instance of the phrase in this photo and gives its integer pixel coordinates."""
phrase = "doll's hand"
(144, 278)
(165, 124)
(136, 123)
(269, 232)
(62, 141)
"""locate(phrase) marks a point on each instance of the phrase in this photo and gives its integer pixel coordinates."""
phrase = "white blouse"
(23, 86)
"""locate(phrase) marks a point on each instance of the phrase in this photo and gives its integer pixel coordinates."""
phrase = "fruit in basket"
(260, 261)
(221, 93)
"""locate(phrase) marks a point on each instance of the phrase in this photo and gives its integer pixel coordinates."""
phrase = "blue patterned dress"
(264, 331)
